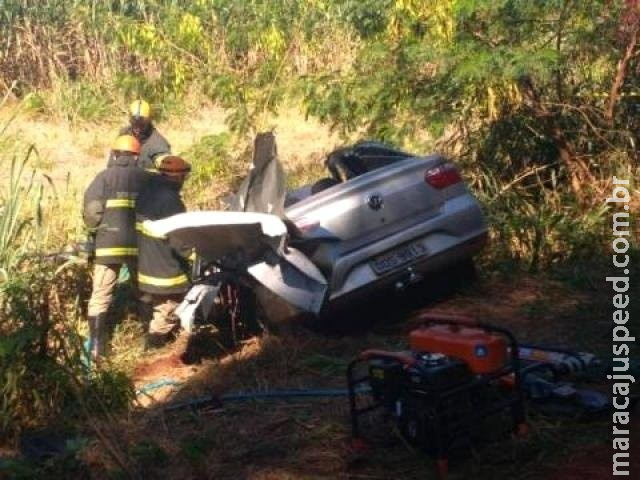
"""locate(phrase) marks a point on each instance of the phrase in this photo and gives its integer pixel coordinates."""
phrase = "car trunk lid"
(379, 203)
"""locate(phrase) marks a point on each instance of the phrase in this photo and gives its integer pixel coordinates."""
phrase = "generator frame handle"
(470, 322)
(466, 321)
(355, 413)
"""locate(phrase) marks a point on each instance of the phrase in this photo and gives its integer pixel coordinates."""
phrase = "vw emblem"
(375, 201)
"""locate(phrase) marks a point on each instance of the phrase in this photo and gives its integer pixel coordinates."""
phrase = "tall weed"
(17, 227)
(21, 194)
(42, 370)
(538, 223)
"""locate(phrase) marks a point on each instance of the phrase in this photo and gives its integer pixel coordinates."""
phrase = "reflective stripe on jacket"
(162, 267)
(109, 208)
(161, 282)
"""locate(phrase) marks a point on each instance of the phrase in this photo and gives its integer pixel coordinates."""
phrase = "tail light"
(442, 176)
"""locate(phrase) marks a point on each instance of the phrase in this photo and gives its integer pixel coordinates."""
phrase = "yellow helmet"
(140, 109)
(126, 143)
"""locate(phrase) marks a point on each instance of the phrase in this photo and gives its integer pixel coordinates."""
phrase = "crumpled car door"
(255, 243)
(293, 278)
(264, 188)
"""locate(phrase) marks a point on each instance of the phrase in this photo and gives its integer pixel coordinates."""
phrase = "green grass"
(20, 222)
(78, 102)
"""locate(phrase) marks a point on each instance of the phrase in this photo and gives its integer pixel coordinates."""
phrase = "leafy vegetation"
(21, 195)
(43, 370)
(538, 99)
(43, 363)
(214, 169)
(539, 102)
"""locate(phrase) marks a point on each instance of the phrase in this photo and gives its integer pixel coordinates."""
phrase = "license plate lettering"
(397, 257)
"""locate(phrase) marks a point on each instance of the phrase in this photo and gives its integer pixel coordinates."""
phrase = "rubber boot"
(98, 336)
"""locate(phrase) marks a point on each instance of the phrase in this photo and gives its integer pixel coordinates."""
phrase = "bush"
(538, 225)
(217, 165)
(43, 366)
(43, 371)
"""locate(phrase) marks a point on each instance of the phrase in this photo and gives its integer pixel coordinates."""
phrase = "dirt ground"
(310, 439)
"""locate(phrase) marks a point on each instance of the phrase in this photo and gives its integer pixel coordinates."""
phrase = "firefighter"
(153, 144)
(163, 274)
(109, 212)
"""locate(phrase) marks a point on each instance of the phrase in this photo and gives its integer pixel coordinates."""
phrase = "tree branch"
(588, 121)
(629, 53)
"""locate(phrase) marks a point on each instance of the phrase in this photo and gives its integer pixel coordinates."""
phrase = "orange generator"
(483, 351)
(458, 374)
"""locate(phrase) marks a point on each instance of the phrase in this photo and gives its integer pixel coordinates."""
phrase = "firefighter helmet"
(172, 165)
(126, 143)
(140, 109)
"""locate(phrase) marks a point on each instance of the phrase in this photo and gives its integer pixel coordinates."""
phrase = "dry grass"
(71, 154)
(309, 439)
(79, 151)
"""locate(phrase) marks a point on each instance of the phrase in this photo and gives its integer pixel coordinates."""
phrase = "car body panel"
(347, 210)
(214, 234)
(294, 278)
(460, 221)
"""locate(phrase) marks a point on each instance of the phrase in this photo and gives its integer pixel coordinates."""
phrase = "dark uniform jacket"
(152, 144)
(109, 209)
(162, 267)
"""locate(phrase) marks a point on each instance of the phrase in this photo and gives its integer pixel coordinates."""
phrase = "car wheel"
(234, 315)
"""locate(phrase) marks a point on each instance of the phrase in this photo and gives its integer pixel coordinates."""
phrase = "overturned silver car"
(382, 220)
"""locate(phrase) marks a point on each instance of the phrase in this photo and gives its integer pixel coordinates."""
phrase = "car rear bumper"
(408, 274)
(456, 233)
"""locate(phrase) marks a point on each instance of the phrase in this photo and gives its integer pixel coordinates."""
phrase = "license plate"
(397, 257)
